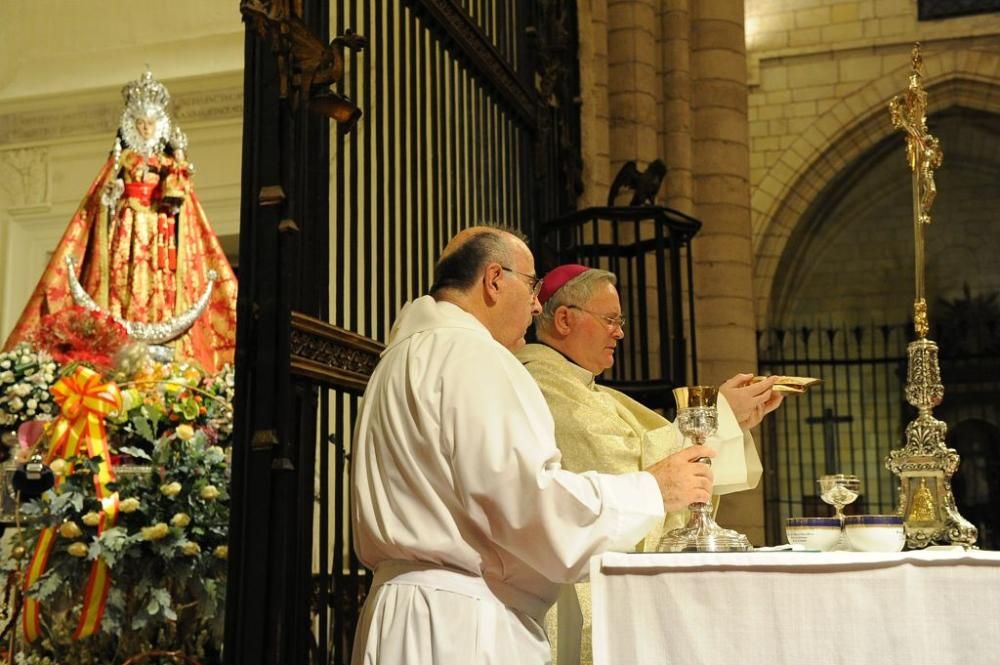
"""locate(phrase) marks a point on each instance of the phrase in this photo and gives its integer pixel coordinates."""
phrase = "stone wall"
(667, 79)
(821, 76)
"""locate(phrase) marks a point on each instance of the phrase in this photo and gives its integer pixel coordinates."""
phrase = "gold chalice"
(698, 419)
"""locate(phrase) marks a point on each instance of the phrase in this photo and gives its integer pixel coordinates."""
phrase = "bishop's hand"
(749, 400)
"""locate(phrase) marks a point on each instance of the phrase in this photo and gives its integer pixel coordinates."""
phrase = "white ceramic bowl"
(813, 533)
(875, 533)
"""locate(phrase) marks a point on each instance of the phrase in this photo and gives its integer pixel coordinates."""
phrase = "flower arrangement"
(164, 546)
(77, 334)
(26, 375)
(160, 397)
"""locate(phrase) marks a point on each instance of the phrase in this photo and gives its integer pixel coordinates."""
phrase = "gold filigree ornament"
(925, 465)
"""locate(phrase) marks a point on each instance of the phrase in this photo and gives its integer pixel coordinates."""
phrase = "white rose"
(22, 389)
(180, 520)
(16, 404)
(91, 519)
(155, 532)
(4, 364)
(47, 408)
(170, 489)
(7, 377)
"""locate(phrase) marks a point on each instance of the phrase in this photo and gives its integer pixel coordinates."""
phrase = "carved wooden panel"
(333, 356)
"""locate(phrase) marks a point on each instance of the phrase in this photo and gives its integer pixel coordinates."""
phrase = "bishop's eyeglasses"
(534, 283)
(612, 321)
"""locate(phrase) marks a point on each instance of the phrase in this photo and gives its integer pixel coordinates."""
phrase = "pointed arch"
(857, 123)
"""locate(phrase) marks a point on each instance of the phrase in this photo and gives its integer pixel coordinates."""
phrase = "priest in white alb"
(460, 504)
(601, 429)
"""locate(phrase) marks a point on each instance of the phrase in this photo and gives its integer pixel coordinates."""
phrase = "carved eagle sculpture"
(644, 184)
(305, 62)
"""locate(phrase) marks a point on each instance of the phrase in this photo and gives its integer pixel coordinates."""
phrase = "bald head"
(489, 273)
(468, 253)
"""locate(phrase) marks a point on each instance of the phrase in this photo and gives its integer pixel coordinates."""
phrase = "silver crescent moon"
(149, 333)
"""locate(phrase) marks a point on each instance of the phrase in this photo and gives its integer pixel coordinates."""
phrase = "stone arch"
(856, 124)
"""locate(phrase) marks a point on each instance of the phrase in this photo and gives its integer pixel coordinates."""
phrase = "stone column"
(721, 196)
(675, 87)
(595, 122)
(675, 111)
(632, 81)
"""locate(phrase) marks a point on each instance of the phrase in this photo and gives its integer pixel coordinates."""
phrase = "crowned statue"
(139, 246)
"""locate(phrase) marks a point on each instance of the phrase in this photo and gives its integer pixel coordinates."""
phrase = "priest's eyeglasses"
(534, 283)
(612, 321)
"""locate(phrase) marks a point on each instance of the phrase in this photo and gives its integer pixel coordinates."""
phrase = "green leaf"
(144, 427)
(66, 502)
(139, 620)
(49, 584)
(135, 452)
(189, 410)
(110, 544)
(32, 509)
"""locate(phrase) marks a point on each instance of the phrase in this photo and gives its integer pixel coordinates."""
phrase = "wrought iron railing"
(455, 132)
(648, 249)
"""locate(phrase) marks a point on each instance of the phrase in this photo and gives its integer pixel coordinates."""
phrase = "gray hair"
(576, 292)
(460, 268)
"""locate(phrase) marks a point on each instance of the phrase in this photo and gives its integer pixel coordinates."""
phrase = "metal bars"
(445, 143)
(647, 248)
(851, 422)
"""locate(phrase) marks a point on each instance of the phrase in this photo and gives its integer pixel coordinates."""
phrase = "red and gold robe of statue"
(147, 259)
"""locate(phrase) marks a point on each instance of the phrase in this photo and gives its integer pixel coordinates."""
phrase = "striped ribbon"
(85, 400)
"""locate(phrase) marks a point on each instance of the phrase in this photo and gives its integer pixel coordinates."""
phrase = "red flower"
(77, 334)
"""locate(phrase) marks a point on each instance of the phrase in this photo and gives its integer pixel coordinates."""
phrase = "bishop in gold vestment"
(601, 429)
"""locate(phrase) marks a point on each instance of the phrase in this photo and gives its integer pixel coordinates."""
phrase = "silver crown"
(146, 97)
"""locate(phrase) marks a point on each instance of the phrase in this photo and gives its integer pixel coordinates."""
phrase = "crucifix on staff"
(923, 152)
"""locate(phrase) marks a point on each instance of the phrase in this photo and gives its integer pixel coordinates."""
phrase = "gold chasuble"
(601, 429)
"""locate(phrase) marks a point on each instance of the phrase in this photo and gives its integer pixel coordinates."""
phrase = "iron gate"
(858, 414)
(469, 117)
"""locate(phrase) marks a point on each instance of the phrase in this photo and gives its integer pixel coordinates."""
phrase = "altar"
(772, 608)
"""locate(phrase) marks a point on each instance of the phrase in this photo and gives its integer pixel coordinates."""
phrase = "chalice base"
(702, 534)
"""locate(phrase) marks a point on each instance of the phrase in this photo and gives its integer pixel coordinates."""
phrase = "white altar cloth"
(801, 608)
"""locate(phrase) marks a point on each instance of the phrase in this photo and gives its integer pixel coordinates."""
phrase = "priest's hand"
(682, 479)
(751, 401)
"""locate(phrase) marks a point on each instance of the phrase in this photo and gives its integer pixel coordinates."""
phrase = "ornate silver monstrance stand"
(925, 464)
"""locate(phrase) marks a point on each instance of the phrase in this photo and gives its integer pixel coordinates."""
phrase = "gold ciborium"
(698, 419)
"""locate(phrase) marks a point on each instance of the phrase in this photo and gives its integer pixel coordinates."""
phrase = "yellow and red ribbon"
(85, 401)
